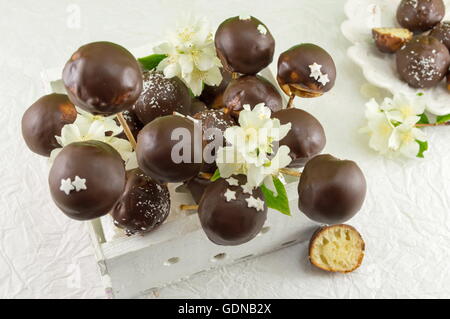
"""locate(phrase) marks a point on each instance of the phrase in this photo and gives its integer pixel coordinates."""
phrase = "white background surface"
(405, 220)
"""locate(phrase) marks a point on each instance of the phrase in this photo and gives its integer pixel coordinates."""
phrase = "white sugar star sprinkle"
(255, 203)
(244, 17)
(229, 195)
(232, 181)
(324, 79)
(79, 183)
(247, 188)
(66, 186)
(315, 70)
(262, 29)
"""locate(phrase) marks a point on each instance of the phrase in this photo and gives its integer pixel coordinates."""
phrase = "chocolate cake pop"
(87, 179)
(251, 90)
(133, 122)
(102, 78)
(420, 15)
(229, 216)
(162, 96)
(44, 119)
(442, 33)
(306, 137)
(306, 70)
(160, 139)
(143, 206)
(214, 123)
(197, 186)
(330, 190)
(212, 96)
(244, 45)
(423, 62)
(197, 106)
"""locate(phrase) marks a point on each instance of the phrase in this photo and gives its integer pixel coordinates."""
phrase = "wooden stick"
(126, 130)
(433, 124)
(205, 175)
(291, 101)
(234, 75)
(290, 172)
(189, 207)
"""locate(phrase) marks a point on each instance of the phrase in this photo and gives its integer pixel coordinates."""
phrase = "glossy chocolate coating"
(230, 223)
(161, 96)
(442, 33)
(214, 123)
(242, 45)
(44, 119)
(104, 171)
(154, 149)
(251, 90)
(330, 190)
(197, 106)
(212, 96)
(143, 206)
(423, 62)
(103, 78)
(294, 73)
(197, 186)
(133, 122)
(420, 15)
(306, 137)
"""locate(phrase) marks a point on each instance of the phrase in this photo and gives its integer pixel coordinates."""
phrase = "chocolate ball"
(231, 220)
(442, 33)
(87, 179)
(143, 206)
(133, 122)
(212, 95)
(162, 96)
(306, 137)
(166, 136)
(423, 62)
(102, 78)
(214, 123)
(251, 90)
(306, 70)
(197, 106)
(44, 119)
(330, 190)
(244, 45)
(197, 186)
(420, 15)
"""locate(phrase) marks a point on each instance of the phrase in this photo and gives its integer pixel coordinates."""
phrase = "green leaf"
(423, 119)
(216, 176)
(151, 61)
(420, 94)
(423, 146)
(443, 118)
(279, 202)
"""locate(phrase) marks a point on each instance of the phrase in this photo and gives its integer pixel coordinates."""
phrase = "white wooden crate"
(137, 265)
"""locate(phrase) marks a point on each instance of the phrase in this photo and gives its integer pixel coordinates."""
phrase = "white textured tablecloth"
(405, 220)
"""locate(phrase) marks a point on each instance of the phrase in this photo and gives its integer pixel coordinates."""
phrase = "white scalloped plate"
(379, 68)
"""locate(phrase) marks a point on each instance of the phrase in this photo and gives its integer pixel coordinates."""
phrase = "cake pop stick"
(126, 130)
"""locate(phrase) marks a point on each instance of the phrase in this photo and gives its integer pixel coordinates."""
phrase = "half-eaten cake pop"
(168, 150)
(87, 179)
(143, 206)
(331, 190)
(306, 137)
(230, 213)
(44, 120)
(244, 45)
(103, 78)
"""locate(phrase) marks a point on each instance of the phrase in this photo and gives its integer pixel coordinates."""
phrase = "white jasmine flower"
(404, 140)
(251, 150)
(191, 55)
(402, 107)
